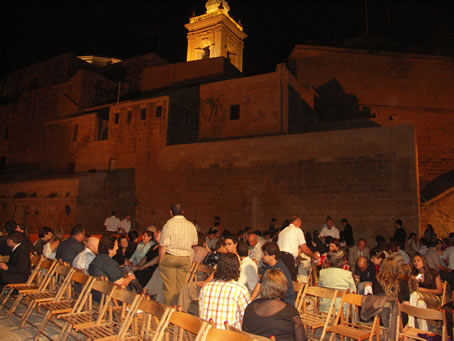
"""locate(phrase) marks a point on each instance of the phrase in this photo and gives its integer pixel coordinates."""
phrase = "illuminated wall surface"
(339, 132)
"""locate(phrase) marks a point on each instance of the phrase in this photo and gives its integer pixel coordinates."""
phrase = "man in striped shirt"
(224, 299)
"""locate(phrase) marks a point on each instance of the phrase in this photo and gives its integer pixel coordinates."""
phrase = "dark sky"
(36, 31)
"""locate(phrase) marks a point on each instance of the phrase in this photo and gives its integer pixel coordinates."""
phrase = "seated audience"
(201, 250)
(104, 265)
(142, 248)
(399, 255)
(213, 257)
(428, 283)
(10, 226)
(211, 239)
(412, 245)
(26, 242)
(50, 248)
(224, 299)
(249, 273)
(423, 246)
(271, 259)
(18, 268)
(359, 250)
(45, 234)
(377, 258)
(132, 244)
(392, 281)
(71, 247)
(84, 258)
(256, 243)
(270, 315)
(434, 261)
(123, 251)
(148, 265)
(364, 275)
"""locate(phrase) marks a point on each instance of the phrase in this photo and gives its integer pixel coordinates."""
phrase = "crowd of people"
(251, 286)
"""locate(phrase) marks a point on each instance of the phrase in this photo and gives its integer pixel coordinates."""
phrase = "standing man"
(347, 233)
(177, 238)
(112, 223)
(400, 235)
(329, 230)
(125, 224)
(291, 240)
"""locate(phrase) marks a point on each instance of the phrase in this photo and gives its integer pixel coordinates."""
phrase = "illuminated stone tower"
(215, 34)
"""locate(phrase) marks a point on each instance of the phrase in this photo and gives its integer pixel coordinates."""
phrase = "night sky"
(36, 31)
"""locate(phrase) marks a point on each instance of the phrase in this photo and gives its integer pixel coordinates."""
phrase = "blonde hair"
(389, 275)
(274, 284)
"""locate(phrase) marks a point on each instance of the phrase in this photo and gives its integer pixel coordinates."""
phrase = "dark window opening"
(235, 112)
(143, 114)
(206, 52)
(103, 125)
(117, 118)
(159, 111)
(75, 131)
(7, 132)
(3, 163)
(129, 116)
(71, 167)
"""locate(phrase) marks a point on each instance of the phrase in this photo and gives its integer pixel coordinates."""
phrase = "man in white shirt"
(125, 224)
(255, 252)
(290, 241)
(329, 230)
(83, 259)
(248, 268)
(112, 223)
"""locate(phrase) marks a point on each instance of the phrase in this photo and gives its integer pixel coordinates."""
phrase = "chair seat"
(353, 333)
(42, 295)
(78, 318)
(22, 286)
(413, 333)
(100, 331)
(59, 307)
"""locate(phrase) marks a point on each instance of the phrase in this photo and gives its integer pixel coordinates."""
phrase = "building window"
(75, 131)
(235, 112)
(117, 118)
(3, 162)
(159, 111)
(129, 116)
(143, 114)
(7, 132)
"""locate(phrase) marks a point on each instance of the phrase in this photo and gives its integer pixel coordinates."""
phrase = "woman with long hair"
(392, 280)
(427, 282)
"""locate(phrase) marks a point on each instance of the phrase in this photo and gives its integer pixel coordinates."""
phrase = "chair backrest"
(191, 276)
(35, 260)
(152, 308)
(36, 264)
(180, 326)
(321, 292)
(50, 266)
(80, 277)
(353, 299)
(444, 286)
(155, 318)
(224, 335)
(422, 313)
(101, 288)
(252, 336)
(207, 269)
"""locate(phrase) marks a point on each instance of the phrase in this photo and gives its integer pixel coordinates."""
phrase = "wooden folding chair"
(314, 319)
(32, 281)
(178, 326)
(353, 329)
(299, 288)
(108, 328)
(420, 313)
(205, 270)
(71, 303)
(252, 336)
(48, 266)
(192, 274)
(71, 321)
(62, 278)
(443, 297)
(213, 334)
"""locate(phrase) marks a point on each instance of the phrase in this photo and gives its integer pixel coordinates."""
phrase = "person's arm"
(305, 249)
(152, 262)
(125, 280)
(437, 291)
(256, 291)
(3, 266)
(162, 252)
(209, 279)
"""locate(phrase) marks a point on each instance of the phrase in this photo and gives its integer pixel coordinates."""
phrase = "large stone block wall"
(439, 213)
(366, 175)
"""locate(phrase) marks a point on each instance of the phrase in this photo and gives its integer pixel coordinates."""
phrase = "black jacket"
(19, 266)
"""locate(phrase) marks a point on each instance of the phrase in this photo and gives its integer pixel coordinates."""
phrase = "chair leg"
(42, 325)
(5, 299)
(14, 306)
(27, 314)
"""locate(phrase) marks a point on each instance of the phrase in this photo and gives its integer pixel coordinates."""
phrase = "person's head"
(211, 234)
(14, 238)
(334, 244)
(220, 246)
(92, 244)
(336, 259)
(361, 244)
(271, 253)
(231, 243)
(422, 241)
(388, 277)
(274, 284)
(151, 228)
(114, 213)
(45, 233)
(394, 246)
(430, 227)
(242, 249)
(20, 228)
(10, 226)
(123, 241)
(419, 264)
(253, 238)
(398, 223)
(377, 257)
(228, 267)
(147, 237)
(108, 245)
(176, 209)
(78, 233)
(127, 217)
(296, 221)
(266, 235)
(344, 222)
(133, 236)
(362, 263)
(329, 222)
(412, 235)
(157, 235)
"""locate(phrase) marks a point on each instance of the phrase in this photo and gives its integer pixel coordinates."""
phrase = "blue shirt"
(290, 297)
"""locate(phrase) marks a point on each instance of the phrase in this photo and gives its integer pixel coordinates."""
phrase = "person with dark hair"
(26, 242)
(45, 234)
(178, 237)
(412, 245)
(18, 268)
(400, 235)
(141, 249)
(212, 258)
(211, 238)
(122, 252)
(112, 223)
(271, 259)
(133, 241)
(249, 272)
(10, 226)
(272, 228)
(149, 263)
(429, 233)
(291, 240)
(396, 251)
(377, 258)
(104, 265)
(329, 230)
(434, 261)
(270, 315)
(71, 247)
(347, 233)
(224, 299)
